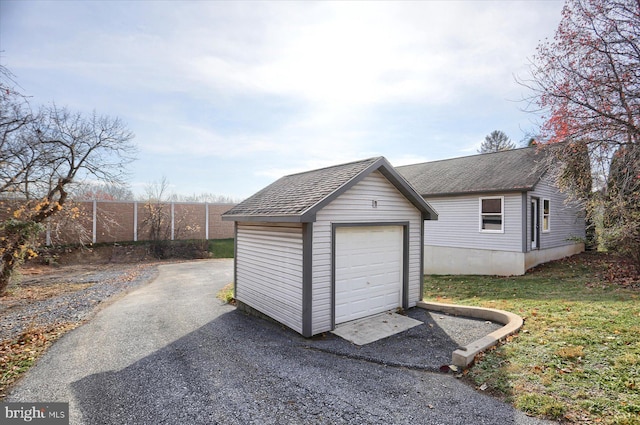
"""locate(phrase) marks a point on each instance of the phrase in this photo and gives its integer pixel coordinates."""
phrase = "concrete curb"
(463, 356)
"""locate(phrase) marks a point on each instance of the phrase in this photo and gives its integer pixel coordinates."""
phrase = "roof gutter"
(267, 218)
(478, 192)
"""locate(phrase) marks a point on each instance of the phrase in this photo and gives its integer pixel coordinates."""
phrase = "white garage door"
(368, 271)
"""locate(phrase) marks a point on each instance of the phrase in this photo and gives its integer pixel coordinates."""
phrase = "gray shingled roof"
(512, 170)
(298, 196)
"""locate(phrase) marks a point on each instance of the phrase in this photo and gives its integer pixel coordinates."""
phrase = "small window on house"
(491, 214)
(546, 215)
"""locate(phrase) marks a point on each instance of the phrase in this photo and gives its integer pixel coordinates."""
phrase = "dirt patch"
(124, 253)
(96, 254)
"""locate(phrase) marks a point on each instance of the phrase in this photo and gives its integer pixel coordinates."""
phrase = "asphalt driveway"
(171, 353)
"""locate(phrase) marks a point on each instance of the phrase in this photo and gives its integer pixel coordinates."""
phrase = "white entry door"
(368, 271)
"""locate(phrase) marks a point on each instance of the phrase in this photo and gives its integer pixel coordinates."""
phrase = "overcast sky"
(226, 97)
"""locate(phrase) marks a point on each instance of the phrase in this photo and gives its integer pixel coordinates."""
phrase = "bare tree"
(496, 141)
(158, 218)
(42, 155)
(208, 197)
(162, 221)
(102, 191)
(621, 218)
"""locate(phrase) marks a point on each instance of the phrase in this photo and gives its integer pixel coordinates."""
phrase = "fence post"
(173, 222)
(206, 220)
(135, 221)
(94, 227)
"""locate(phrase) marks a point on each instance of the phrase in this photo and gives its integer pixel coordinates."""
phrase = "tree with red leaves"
(586, 82)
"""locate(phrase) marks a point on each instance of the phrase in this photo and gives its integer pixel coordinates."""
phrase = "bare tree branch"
(42, 155)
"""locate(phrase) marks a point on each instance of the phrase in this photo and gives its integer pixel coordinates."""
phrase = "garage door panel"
(368, 271)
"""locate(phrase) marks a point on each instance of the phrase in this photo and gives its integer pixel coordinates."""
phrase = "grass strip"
(222, 248)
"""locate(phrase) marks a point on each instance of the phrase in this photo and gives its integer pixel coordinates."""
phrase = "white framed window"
(492, 214)
(546, 215)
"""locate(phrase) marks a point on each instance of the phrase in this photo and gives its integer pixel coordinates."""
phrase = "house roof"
(515, 170)
(298, 197)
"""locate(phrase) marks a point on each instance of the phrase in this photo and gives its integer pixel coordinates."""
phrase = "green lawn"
(221, 248)
(577, 357)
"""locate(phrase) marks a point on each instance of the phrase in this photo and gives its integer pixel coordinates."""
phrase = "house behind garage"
(499, 213)
(331, 245)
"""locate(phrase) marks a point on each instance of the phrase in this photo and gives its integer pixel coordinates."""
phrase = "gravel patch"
(463, 330)
(16, 316)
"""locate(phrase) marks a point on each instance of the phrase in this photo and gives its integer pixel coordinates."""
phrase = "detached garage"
(332, 245)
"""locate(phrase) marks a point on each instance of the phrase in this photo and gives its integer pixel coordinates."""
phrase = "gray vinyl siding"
(269, 270)
(355, 206)
(566, 221)
(458, 223)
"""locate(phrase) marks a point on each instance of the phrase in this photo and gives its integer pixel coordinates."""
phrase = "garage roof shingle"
(297, 197)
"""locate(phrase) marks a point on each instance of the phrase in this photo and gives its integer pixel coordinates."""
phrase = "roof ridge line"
(468, 156)
(372, 159)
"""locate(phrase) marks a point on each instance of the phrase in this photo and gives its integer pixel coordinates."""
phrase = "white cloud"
(299, 85)
(408, 159)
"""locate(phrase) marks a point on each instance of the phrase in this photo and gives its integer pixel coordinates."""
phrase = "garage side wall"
(356, 206)
(269, 270)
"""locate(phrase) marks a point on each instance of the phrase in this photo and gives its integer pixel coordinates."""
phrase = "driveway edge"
(463, 356)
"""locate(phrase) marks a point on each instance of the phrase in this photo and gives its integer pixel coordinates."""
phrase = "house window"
(491, 214)
(546, 215)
